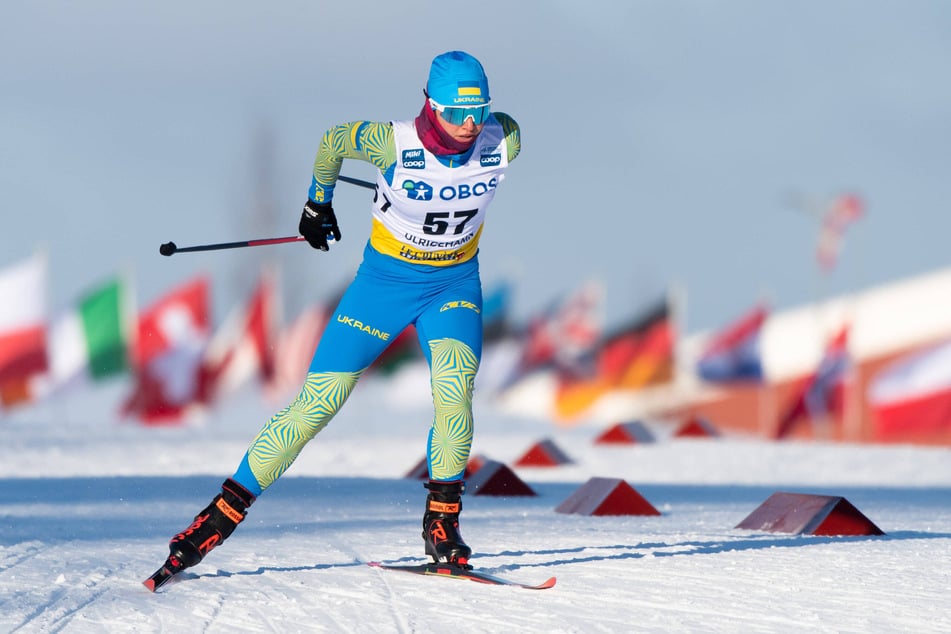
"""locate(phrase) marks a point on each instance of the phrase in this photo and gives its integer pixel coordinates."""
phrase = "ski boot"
(441, 524)
(212, 526)
(209, 528)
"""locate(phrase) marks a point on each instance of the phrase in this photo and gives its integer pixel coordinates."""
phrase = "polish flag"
(23, 315)
(171, 338)
(913, 394)
(244, 347)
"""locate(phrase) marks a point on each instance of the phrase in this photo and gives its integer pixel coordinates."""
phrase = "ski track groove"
(61, 622)
(282, 591)
(260, 608)
(53, 616)
(216, 607)
(30, 550)
(39, 609)
(390, 599)
(54, 595)
(340, 622)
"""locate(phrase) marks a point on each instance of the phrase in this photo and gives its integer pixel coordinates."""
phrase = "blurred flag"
(90, 341)
(565, 332)
(638, 355)
(843, 211)
(822, 393)
(294, 350)
(913, 394)
(243, 348)
(167, 353)
(734, 354)
(23, 315)
(495, 310)
(403, 349)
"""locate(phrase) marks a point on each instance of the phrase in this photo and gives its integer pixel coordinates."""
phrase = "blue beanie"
(457, 79)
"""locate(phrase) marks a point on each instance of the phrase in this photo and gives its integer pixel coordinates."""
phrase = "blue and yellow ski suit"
(420, 267)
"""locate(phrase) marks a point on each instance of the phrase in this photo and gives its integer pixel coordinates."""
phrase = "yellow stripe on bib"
(385, 242)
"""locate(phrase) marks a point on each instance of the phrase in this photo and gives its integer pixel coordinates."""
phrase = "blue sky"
(662, 141)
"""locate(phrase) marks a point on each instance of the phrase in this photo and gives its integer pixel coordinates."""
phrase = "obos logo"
(465, 190)
(488, 160)
(414, 159)
(417, 190)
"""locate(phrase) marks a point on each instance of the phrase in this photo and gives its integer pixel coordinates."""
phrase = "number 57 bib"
(433, 214)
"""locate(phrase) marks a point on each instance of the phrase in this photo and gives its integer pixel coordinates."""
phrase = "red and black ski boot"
(441, 524)
(209, 528)
(213, 525)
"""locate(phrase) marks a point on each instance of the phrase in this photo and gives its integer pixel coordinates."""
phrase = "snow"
(87, 507)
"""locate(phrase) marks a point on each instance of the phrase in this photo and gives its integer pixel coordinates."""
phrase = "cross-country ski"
(457, 572)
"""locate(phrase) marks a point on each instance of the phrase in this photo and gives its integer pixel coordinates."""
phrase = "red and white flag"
(23, 317)
(244, 347)
(295, 349)
(167, 353)
(566, 331)
(843, 211)
(913, 394)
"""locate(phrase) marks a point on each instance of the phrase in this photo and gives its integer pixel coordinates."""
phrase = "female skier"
(437, 175)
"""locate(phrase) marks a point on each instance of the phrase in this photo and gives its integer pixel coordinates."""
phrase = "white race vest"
(433, 214)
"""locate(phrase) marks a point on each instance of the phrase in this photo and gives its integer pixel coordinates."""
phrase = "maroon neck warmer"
(434, 138)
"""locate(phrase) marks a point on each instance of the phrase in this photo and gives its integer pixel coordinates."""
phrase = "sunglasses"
(457, 115)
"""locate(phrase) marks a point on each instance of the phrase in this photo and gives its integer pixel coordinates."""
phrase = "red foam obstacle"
(695, 427)
(801, 513)
(543, 454)
(494, 478)
(475, 463)
(625, 434)
(606, 496)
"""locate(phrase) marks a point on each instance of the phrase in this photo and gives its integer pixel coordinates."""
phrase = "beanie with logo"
(457, 79)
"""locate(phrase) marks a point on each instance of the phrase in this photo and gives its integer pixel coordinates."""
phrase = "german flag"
(637, 355)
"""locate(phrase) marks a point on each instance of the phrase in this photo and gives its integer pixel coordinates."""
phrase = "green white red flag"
(89, 342)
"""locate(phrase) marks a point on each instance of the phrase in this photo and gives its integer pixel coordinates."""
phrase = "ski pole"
(356, 181)
(170, 248)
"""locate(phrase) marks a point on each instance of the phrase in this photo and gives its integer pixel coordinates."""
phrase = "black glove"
(317, 223)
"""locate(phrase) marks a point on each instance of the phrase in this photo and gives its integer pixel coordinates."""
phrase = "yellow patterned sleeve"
(368, 141)
(513, 134)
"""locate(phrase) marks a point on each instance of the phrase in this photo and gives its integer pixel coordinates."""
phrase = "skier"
(437, 175)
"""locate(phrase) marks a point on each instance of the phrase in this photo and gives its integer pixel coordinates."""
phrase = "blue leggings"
(444, 304)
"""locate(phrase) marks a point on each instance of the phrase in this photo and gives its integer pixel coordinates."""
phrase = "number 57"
(437, 222)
